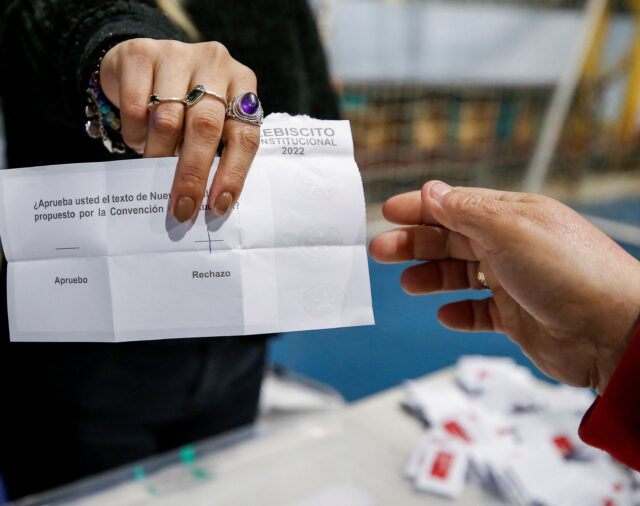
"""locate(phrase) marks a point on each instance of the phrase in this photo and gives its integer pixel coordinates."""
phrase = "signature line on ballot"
(71, 247)
(210, 241)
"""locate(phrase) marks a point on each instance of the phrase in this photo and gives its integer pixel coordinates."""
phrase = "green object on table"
(199, 474)
(187, 455)
(138, 473)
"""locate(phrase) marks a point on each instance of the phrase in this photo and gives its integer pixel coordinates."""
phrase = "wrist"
(108, 66)
(611, 354)
(103, 118)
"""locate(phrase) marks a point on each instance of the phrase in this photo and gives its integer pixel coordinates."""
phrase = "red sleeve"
(612, 423)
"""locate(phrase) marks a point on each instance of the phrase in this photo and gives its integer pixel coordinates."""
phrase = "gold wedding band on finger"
(482, 279)
(198, 92)
(156, 100)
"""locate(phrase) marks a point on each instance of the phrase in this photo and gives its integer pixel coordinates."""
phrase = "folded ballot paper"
(94, 254)
(497, 426)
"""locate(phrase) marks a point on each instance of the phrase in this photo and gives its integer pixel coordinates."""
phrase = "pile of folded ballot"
(517, 436)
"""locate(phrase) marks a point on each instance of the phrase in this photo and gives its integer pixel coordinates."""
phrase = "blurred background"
(535, 95)
(539, 95)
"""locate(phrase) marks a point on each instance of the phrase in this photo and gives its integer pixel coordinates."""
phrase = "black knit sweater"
(49, 48)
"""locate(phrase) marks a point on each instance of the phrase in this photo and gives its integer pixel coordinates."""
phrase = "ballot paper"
(518, 439)
(94, 254)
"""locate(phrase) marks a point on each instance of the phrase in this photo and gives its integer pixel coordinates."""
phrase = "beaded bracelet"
(103, 118)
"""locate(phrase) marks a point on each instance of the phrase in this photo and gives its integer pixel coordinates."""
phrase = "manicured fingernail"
(439, 190)
(223, 203)
(183, 209)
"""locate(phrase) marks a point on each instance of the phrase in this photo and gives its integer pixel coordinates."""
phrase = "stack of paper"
(498, 425)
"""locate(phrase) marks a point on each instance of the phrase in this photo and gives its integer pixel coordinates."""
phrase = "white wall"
(445, 42)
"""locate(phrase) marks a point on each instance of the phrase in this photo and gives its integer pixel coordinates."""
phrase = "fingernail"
(439, 190)
(223, 203)
(183, 209)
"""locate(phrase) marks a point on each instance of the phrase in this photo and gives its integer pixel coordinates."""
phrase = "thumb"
(486, 216)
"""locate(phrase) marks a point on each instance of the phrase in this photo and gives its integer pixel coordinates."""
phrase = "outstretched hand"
(561, 289)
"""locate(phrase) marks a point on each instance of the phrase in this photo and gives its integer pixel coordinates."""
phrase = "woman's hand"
(562, 290)
(133, 70)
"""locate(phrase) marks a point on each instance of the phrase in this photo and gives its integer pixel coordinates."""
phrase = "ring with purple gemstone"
(247, 108)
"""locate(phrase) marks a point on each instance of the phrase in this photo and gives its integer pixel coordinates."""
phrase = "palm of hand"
(561, 289)
(559, 292)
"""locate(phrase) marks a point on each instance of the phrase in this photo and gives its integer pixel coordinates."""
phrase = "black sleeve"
(61, 40)
(325, 102)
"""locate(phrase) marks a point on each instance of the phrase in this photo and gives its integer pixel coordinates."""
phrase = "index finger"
(408, 208)
(404, 209)
(420, 243)
(203, 128)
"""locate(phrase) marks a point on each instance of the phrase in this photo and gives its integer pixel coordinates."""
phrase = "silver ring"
(246, 107)
(198, 91)
(482, 279)
(156, 100)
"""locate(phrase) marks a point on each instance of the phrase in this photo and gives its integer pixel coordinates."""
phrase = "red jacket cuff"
(612, 423)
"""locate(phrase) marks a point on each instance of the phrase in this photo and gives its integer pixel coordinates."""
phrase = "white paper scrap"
(94, 254)
(339, 495)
